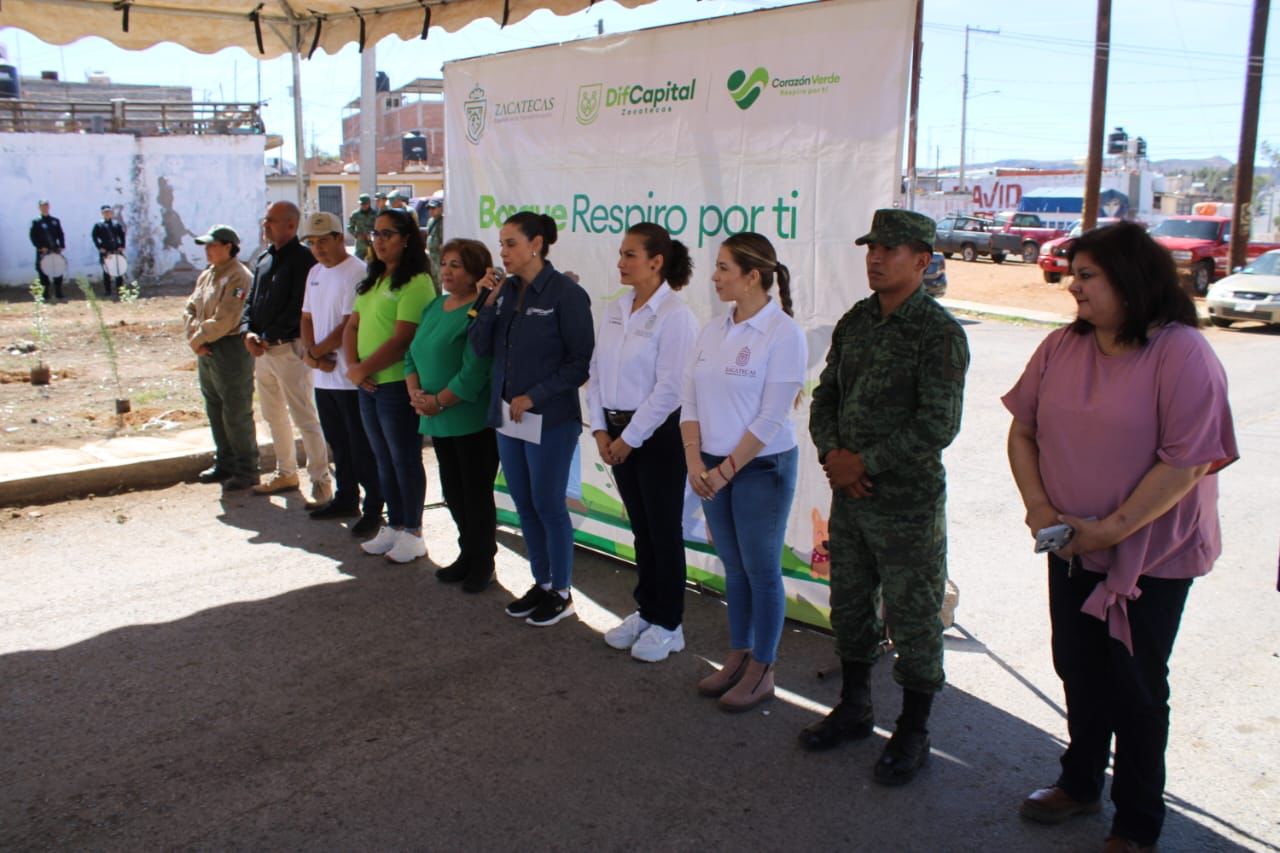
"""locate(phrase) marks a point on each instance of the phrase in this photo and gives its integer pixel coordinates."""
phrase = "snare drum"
(53, 265)
(115, 265)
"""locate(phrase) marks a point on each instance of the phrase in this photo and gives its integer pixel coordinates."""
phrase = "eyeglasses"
(384, 234)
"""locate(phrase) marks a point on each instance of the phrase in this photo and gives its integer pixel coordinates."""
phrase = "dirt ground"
(157, 372)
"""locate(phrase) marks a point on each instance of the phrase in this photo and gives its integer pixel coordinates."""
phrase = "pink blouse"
(1102, 422)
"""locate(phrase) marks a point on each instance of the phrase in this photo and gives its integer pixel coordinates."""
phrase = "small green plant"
(40, 324)
(130, 292)
(108, 340)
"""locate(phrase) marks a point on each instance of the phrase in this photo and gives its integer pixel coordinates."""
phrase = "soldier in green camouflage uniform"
(888, 402)
(359, 224)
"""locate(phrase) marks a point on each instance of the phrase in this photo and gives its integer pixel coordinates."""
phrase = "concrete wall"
(167, 191)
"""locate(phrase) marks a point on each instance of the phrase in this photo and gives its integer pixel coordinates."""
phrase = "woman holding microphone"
(633, 397)
(740, 448)
(536, 326)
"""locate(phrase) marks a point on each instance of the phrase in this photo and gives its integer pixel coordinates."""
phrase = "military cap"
(892, 226)
(106, 207)
(43, 201)
(380, 195)
(221, 234)
(364, 197)
(435, 202)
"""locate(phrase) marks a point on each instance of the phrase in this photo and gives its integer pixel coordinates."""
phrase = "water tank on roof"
(381, 82)
(1116, 141)
(10, 86)
(1142, 147)
(413, 146)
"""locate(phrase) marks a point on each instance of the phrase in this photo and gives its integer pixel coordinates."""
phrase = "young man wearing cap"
(400, 201)
(435, 237)
(108, 237)
(887, 403)
(271, 323)
(326, 307)
(224, 368)
(360, 225)
(46, 235)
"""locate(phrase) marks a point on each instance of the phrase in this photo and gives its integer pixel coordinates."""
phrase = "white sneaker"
(382, 543)
(624, 636)
(657, 643)
(407, 548)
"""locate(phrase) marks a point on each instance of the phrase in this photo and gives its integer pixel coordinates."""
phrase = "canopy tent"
(264, 28)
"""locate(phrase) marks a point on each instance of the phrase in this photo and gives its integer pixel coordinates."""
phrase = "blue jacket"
(544, 351)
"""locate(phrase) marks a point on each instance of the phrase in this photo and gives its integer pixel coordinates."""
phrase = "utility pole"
(1097, 114)
(914, 109)
(964, 97)
(1242, 212)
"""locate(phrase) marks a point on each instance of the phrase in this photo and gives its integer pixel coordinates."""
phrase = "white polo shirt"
(329, 296)
(745, 376)
(639, 361)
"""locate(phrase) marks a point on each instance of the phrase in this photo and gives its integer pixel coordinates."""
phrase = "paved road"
(176, 671)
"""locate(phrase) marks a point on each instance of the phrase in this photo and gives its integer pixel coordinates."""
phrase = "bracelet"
(732, 464)
(721, 473)
(689, 444)
(439, 405)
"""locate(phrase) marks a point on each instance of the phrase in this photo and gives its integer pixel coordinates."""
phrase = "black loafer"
(367, 525)
(213, 475)
(476, 584)
(454, 572)
(239, 483)
(847, 721)
(332, 510)
(903, 756)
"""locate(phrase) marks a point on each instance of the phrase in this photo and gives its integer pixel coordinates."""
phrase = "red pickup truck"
(1201, 246)
(1021, 234)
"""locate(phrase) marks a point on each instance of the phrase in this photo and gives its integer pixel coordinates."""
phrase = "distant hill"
(1166, 167)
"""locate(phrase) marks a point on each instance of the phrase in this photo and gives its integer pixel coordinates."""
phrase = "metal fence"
(140, 118)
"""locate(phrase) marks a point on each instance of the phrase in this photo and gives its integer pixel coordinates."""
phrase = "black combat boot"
(852, 719)
(908, 749)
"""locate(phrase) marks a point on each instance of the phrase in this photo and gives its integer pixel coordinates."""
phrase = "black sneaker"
(551, 610)
(333, 510)
(454, 572)
(367, 526)
(213, 475)
(527, 603)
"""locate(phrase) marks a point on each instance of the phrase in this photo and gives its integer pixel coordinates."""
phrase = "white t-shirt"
(745, 376)
(639, 361)
(331, 291)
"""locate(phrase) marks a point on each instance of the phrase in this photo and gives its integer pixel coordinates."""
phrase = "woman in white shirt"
(634, 399)
(740, 448)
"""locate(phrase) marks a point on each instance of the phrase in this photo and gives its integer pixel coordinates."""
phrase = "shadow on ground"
(387, 711)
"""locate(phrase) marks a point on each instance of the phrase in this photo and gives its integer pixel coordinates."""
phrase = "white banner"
(788, 122)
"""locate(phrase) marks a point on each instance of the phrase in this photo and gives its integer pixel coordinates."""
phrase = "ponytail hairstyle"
(535, 225)
(413, 260)
(677, 266)
(753, 251)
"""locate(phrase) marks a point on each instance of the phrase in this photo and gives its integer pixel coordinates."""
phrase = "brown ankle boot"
(755, 686)
(735, 664)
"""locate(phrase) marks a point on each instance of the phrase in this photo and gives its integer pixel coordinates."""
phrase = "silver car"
(1253, 293)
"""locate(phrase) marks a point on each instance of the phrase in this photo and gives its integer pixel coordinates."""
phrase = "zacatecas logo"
(744, 90)
(475, 108)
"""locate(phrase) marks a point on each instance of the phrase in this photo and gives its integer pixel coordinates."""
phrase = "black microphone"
(482, 296)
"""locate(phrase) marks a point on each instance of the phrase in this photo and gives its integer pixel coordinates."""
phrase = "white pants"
(284, 389)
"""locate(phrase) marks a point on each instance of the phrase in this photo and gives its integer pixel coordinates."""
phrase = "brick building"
(415, 108)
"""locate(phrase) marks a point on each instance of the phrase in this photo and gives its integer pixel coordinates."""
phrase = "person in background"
(272, 335)
(435, 231)
(536, 326)
(400, 201)
(633, 402)
(379, 205)
(326, 307)
(740, 450)
(46, 235)
(108, 238)
(359, 224)
(1135, 477)
(223, 366)
(388, 307)
(887, 403)
(449, 388)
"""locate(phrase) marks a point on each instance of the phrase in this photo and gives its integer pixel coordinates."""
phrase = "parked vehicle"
(1253, 293)
(1022, 235)
(935, 277)
(1201, 245)
(1053, 254)
(969, 236)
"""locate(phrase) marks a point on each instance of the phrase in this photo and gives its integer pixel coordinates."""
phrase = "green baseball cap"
(364, 197)
(220, 233)
(892, 226)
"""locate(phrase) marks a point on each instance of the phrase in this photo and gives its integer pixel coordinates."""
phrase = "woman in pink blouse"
(1120, 424)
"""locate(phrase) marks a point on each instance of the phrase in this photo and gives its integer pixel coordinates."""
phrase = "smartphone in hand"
(1054, 538)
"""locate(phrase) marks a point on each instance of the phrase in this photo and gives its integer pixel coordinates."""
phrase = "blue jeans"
(392, 427)
(537, 477)
(748, 522)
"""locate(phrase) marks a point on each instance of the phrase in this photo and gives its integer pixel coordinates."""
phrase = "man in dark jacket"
(108, 236)
(46, 236)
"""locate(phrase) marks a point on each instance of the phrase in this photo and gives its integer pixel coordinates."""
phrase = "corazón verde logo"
(745, 90)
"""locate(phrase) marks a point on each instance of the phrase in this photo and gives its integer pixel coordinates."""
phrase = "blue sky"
(1177, 71)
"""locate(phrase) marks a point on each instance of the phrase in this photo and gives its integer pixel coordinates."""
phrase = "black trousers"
(651, 483)
(1110, 692)
(107, 278)
(353, 462)
(468, 466)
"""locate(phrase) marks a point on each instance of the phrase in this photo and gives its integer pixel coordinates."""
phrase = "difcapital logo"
(589, 102)
(475, 109)
(745, 90)
(632, 98)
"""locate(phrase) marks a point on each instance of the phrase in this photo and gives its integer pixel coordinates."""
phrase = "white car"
(1253, 293)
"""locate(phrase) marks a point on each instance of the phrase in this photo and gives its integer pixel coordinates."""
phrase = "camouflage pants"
(900, 558)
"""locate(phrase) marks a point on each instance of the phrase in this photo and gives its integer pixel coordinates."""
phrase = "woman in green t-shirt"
(449, 386)
(389, 304)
